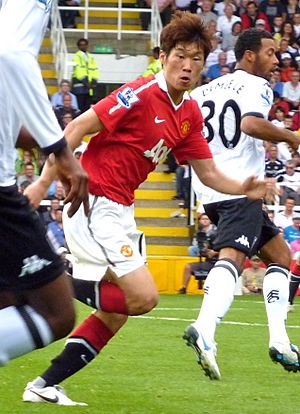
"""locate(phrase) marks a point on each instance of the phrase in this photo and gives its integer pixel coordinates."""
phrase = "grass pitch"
(147, 368)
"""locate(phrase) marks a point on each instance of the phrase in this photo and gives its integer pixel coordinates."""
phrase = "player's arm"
(87, 123)
(265, 130)
(214, 178)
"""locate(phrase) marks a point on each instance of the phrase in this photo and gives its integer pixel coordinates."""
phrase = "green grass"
(147, 368)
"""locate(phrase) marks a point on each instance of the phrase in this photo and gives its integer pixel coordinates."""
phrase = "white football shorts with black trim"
(107, 238)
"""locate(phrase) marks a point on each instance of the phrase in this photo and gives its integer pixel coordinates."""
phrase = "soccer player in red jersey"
(136, 127)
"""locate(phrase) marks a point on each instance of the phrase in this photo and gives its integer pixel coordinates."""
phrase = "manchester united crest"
(185, 127)
(126, 250)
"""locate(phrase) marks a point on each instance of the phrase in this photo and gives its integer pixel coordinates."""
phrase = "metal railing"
(155, 27)
(59, 47)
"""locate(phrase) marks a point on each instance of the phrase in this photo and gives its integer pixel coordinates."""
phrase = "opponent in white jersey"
(224, 102)
(235, 109)
(22, 27)
(35, 296)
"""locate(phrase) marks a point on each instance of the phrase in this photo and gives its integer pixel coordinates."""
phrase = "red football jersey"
(142, 125)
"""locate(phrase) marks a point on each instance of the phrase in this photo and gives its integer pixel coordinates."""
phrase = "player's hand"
(295, 141)
(253, 188)
(35, 193)
(74, 179)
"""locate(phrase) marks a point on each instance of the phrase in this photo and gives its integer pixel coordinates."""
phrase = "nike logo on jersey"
(47, 399)
(158, 121)
(243, 240)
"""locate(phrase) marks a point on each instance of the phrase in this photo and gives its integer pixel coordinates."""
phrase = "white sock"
(276, 295)
(218, 296)
(21, 330)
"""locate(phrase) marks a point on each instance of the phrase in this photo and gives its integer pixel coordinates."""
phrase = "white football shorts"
(107, 238)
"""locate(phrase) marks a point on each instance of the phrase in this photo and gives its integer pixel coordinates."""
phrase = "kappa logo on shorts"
(126, 250)
(32, 265)
(243, 240)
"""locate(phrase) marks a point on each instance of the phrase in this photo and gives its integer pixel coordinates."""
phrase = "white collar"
(161, 81)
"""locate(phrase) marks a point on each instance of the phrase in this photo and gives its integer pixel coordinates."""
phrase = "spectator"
(296, 119)
(291, 91)
(287, 32)
(220, 6)
(272, 8)
(260, 24)
(292, 232)
(183, 5)
(287, 67)
(66, 108)
(213, 57)
(252, 277)
(279, 117)
(205, 9)
(27, 156)
(212, 28)
(273, 167)
(225, 23)
(291, 179)
(179, 183)
(277, 85)
(65, 88)
(229, 41)
(85, 75)
(207, 255)
(48, 214)
(68, 16)
(215, 70)
(55, 230)
(296, 23)
(28, 175)
(165, 12)
(66, 119)
(277, 24)
(278, 101)
(284, 218)
(292, 8)
(294, 281)
(225, 70)
(155, 66)
(295, 248)
(252, 14)
(205, 229)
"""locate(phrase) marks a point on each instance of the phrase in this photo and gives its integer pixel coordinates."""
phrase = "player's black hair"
(250, 40)
(185, 27)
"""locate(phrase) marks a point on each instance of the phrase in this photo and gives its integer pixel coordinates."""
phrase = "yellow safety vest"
(84, 72)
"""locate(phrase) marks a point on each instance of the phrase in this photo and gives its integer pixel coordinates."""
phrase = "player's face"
(266, 60)
(182, 68)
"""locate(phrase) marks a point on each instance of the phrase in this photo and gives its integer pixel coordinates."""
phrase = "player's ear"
(250, 56)
(162, 57)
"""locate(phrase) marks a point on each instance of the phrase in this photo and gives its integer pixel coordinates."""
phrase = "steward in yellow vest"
(85, 75)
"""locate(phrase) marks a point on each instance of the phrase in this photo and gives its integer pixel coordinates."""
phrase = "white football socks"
(21, 331)
(276, 294)
(218, 295)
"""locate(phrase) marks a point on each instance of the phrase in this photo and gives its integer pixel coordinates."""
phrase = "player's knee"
(143, 304)
(62, 324)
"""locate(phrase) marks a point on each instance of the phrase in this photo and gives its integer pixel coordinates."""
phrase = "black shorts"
(241, 224)
(27, 258)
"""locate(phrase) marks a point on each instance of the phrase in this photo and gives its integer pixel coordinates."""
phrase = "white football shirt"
(23, 96)
(224, 102)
